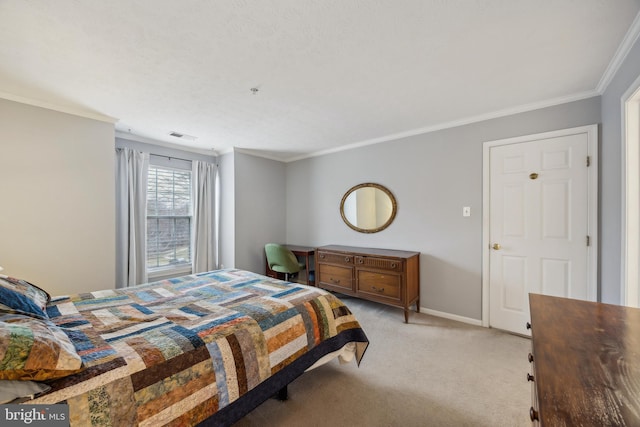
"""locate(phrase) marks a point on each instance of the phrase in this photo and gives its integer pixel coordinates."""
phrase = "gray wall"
(611, 177)
(260, 207)
(57, 219)
(432, 176)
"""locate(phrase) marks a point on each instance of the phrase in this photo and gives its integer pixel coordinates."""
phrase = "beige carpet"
(430, 372)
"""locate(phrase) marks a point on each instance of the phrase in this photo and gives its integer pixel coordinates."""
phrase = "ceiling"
(329, 74)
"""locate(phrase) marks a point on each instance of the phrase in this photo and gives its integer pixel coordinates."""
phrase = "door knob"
(496, 246)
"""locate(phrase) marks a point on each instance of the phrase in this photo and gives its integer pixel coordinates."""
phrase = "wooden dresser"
(585, 361)
(387, 276)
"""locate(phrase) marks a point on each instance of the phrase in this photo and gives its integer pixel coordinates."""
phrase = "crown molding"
(61, 109)
(621, 54)
(456, 123)
(255, 153)
(630, 38)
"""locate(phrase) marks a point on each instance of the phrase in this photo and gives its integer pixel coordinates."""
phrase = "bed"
(202, 349)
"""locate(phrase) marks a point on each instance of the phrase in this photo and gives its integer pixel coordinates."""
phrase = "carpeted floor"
(430, 372)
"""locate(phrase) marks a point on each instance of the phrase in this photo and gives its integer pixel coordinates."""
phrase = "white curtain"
(131, 217)
(205, 217)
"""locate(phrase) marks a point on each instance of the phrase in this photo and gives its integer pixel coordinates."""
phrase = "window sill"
(168, 272)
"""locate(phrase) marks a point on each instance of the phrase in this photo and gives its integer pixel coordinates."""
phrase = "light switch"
(466, 211)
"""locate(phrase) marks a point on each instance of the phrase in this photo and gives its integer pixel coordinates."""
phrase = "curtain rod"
(170, 157)
(178, 158)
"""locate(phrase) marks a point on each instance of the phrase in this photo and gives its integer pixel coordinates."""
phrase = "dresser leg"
(418, 305)
(406, 315)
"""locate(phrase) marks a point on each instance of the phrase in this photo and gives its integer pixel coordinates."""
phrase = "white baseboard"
(469, 320)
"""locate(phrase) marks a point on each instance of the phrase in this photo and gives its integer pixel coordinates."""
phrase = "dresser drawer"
(379, 263)
(335, 258)
(379, 284)
(336, 276)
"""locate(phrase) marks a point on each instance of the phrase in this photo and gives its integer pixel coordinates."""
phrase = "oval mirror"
(368, 207)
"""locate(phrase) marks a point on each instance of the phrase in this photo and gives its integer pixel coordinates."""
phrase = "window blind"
(168, 218)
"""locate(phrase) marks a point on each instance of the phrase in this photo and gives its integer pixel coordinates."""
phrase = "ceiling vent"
(183, 136)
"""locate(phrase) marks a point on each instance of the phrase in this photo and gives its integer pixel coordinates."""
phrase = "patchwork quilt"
(207, 347)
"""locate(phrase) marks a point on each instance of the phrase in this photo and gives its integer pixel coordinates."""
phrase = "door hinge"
(588, 161)
(588, 241)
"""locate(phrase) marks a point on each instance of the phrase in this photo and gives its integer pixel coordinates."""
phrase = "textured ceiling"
(329, 73)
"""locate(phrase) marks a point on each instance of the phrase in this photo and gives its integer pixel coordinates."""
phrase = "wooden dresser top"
(369, 251)
(587, 362)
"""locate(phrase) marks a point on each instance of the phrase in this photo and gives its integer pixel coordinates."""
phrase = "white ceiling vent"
(183, 136)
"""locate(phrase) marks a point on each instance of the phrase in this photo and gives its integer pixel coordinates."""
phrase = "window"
(168, 221)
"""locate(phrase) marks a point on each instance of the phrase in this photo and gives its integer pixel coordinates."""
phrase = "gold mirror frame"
(394, 207)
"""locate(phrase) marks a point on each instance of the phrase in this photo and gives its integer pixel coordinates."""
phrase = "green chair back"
(281, 259)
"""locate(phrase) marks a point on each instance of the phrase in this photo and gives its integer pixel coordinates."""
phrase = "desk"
(305, 252)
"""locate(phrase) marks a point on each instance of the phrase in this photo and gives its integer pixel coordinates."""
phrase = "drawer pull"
(322, 256)
(377, 289)
(334, 280)
(529, 377)
(530, 358)
(393, 265)
(533, 414)
(347, 259)
(528, 325)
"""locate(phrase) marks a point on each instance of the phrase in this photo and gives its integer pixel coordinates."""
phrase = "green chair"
(281, 260)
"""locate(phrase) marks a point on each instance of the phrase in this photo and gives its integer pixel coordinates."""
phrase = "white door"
(539, 217)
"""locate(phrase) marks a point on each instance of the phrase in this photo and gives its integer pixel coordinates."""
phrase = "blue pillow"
(13, 301)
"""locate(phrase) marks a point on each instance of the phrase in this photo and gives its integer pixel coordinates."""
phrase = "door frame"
(592, 202)
(630, 224)
(630, 238)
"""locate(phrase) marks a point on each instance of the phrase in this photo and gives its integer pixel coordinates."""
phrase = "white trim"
(592, 275)
(450, 316)
(138, 138)
(68, 110)
(162, 273)
(621, 54)
(255, 153)
(455, 123)
(630, 105)
(486, 198)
